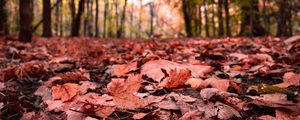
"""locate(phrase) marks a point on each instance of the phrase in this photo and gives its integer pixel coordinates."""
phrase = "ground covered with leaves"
(89, 78)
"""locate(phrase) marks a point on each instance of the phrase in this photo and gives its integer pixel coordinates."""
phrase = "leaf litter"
(225, 78)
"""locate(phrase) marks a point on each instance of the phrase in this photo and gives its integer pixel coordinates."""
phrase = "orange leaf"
(123, 92)
(176, 78)
(65, 92)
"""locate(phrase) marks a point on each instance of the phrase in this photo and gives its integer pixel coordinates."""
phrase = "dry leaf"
(221, 84)
(195, 83)
(207, 93)
(153, 69)
(176, 78)
(65, 92)
(123, 92)
(290, 78)
(121, 70)
(276, 101)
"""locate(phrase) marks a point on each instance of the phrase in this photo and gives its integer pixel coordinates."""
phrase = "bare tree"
(26, 17)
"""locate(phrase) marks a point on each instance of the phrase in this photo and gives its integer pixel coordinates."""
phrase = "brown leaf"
(101, 106)
(36, 116)
(176, 78)
(121, 70)
(191, 115)
(225, 112)
(207, 93)
(276, 101)
(196, 83)
(75, 76)
(123, 92)
(221, 84)
(65, 92)
(153, 69)
(290, 78)
(73, 115)
(139, 115)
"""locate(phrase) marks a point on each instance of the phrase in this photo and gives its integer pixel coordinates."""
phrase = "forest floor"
(87, 78)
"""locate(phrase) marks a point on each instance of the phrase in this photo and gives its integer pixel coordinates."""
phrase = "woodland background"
(149, 18)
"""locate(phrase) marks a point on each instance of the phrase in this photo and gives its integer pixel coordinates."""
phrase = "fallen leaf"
(221, 84)
(153, 69)
(207, 93)
(167, 104)
(73, 115)
(65, 92)
(276, 101)
(121, 70)
(86, 85)
(191, 115)
(226, 112)
(195, 83)
(138, 116)
(180, 97)
(36, 116)
(175, 79)
(123, 92)
(289, 79)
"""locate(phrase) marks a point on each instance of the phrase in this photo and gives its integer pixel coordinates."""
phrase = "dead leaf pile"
(90, 78)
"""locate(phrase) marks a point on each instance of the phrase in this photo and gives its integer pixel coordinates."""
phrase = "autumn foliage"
(86, 78)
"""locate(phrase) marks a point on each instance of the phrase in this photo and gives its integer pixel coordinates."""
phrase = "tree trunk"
(250, 25)
(187, 19)
(284, 19)
(227, 18)
(4, 29)
(131, 25)
(116, 13)
(213, 21)
(96, 19)
(206, 19)
(56, 24)
(26, 17)
(77, 20)
(120, 32)
(90, 18)
(220, 18)
(199, 23)
(105, 17)
(151, 5)
(47, 18)
(85, 21)
(61, 19)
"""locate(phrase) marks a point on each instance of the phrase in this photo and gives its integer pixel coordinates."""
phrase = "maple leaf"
(101, 106)
(65, 92)
(176, 78)
(123, 92)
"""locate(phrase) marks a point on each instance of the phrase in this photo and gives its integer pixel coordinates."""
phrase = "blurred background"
(150, 18)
